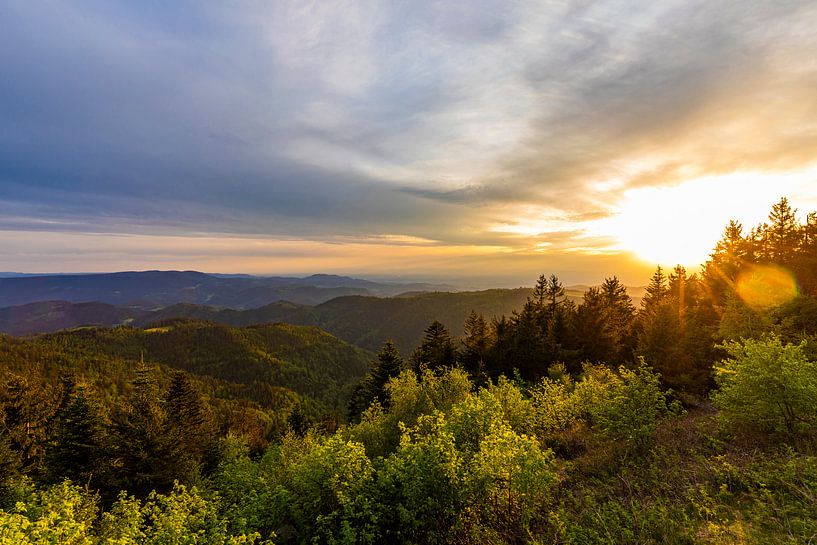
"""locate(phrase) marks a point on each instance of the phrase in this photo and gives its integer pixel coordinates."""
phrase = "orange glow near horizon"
(681, 224)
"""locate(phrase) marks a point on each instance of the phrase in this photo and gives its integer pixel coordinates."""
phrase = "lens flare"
(766, 286)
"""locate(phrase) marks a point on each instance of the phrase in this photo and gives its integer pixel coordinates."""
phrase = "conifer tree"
(592, 329)
(144, 451)
(620, 316)
(437, 350)
(476, 343)
(23, 417)
(188, 423)
(540, 290)
(554, 292)
(656, 290)
(73, 448)
(781, 236)
(297, 421)
(387, 365)
(528, 350)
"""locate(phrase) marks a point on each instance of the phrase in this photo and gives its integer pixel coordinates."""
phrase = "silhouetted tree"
(476, 345)
(437, 350)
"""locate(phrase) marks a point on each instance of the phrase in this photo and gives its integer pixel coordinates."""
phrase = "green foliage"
(73, 449)
(60, 514)
(329, 491)
(557, 455)
(629, 409)
(410, 397)
(767, 385)
(437, 350)
(387, 365)
(67, 514)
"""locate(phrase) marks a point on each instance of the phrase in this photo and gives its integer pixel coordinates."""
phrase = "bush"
(629, 409)
(61, 514)
(767, 386)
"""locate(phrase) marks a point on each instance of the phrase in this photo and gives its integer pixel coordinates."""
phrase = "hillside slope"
(260, 363)
(366, 321)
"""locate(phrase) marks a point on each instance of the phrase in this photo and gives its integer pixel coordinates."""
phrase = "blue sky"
(481, 140)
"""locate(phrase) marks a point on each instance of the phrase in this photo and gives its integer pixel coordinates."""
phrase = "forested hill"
(369, 321)
(362, 320)
(272, 365)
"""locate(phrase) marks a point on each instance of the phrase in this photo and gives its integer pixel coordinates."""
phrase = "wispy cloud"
(424, 121)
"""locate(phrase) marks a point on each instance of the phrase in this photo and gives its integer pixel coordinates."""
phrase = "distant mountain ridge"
(155, 289)
(342, 306)
(365, 321)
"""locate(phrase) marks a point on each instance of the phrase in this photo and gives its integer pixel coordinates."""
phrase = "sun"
(681, 224)
(667, 226)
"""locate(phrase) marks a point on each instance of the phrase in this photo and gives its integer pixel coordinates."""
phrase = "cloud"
(416, 121)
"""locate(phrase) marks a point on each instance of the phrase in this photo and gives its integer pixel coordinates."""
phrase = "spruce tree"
(24, 417)
(540, 290)
(554, 292)
(781, 236)
(656, 290)
(189, 424)
(476, 343)
(145, 455)
(387, 365)
(437, 350)
(73, 446)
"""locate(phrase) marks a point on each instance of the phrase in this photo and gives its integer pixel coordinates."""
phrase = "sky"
(484, 142)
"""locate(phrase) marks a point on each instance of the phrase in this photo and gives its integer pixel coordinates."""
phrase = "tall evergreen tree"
(476, 344)
(144, 451)
(437, 350)
(540, 290)
(528, 350)
(592, 329)
(657, 290)
(73, 448)
(620, 316)
(189, 424)
(24, 416)
(781, 236)
(387, 365)
(554, 292)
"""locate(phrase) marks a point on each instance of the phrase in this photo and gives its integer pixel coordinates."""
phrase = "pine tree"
(593, 330)
(73, 447)
(297, 421)
(656, 290)
(540, 290)
(528, 353)
(437, 349)
(476, 343)
(554, 292)
(620, 316)
(144, 452)
(24, 416)
(189, 424)
(387, 366)
(781, 236)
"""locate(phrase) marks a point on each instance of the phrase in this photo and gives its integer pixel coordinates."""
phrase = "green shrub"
(767, 386)
(62, 513)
